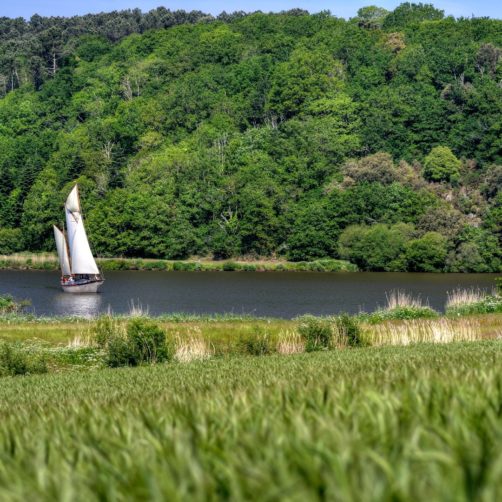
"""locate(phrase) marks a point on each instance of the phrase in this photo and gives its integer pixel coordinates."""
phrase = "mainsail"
(82, 261)
(64, 259)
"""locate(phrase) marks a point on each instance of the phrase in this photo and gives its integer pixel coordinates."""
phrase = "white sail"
(73, 201)
(64, 259)
(82, 261)
(72, 220)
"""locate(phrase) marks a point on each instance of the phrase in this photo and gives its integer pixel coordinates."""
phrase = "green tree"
(371, 17)
(408, 13)
(427, 254)
(441, 165)
(378, 247)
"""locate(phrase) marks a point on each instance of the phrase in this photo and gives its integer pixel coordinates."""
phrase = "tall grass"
(290, 342)
(425, 331)
(401, 305)
(462, 296)
(473, 301)
(402, 299)
(415, 423)
(192, 347)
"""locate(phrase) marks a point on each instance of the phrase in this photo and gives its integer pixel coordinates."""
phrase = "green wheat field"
(375, 423)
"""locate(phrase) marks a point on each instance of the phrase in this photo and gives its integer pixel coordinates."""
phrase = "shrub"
(186, 266)
(106, 328)
(9, 305)
(119, 352)
(147, 341)
(256, 344)
(230, 266)
(13, 361)
(487, 305)
(142, 341)
(377, 247)
(349, 330)
(154, 265)
(317, 333)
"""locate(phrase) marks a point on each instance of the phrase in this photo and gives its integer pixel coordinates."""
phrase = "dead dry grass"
(442, 330)
(459, 297)
(400, 299)
(290, 342)
(192, 346)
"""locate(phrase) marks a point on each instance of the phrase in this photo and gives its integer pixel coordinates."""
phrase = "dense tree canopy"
(377, 139)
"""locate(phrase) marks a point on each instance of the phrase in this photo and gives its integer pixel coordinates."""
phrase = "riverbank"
(49, 261)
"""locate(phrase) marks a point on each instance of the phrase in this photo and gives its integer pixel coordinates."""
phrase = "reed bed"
(473, 301)
(462, 296)
(425, 331)
(192, 347)
(290, 342)
(402, 299)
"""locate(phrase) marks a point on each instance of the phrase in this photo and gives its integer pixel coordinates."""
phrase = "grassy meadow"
(401, 423)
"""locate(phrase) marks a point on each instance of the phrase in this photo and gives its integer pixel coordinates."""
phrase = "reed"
(462, 296)
(192, 347)
(138, 310)
(401, 299)
(425, 331)
(290, 342)
(473, 301)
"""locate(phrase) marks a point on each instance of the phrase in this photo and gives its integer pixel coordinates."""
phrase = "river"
(271, 294)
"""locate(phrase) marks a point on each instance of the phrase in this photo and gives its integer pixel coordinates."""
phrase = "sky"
(26, 8)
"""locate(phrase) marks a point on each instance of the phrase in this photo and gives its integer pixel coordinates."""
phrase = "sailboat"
(79, 271)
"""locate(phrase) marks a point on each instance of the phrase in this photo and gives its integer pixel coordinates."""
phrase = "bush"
(186, 266)
(9, 305)
(377, 247)
(255, 344)
(427, 254)
(349, 330)
(317, 333)
(230, 266)
(147, 341)
(13, 361)
(106, 328)
(142, 341)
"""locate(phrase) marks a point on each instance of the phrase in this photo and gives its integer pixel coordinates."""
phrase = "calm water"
(277, 294)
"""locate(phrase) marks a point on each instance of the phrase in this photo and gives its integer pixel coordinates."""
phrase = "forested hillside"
(376, 139)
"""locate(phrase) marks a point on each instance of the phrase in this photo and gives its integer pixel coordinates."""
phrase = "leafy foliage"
(13, 361)
(283, 134)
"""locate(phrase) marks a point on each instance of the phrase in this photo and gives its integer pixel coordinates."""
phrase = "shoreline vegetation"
(49, 261)
(138, 338)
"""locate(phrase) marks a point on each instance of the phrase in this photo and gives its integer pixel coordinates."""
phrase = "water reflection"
(82, 305)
